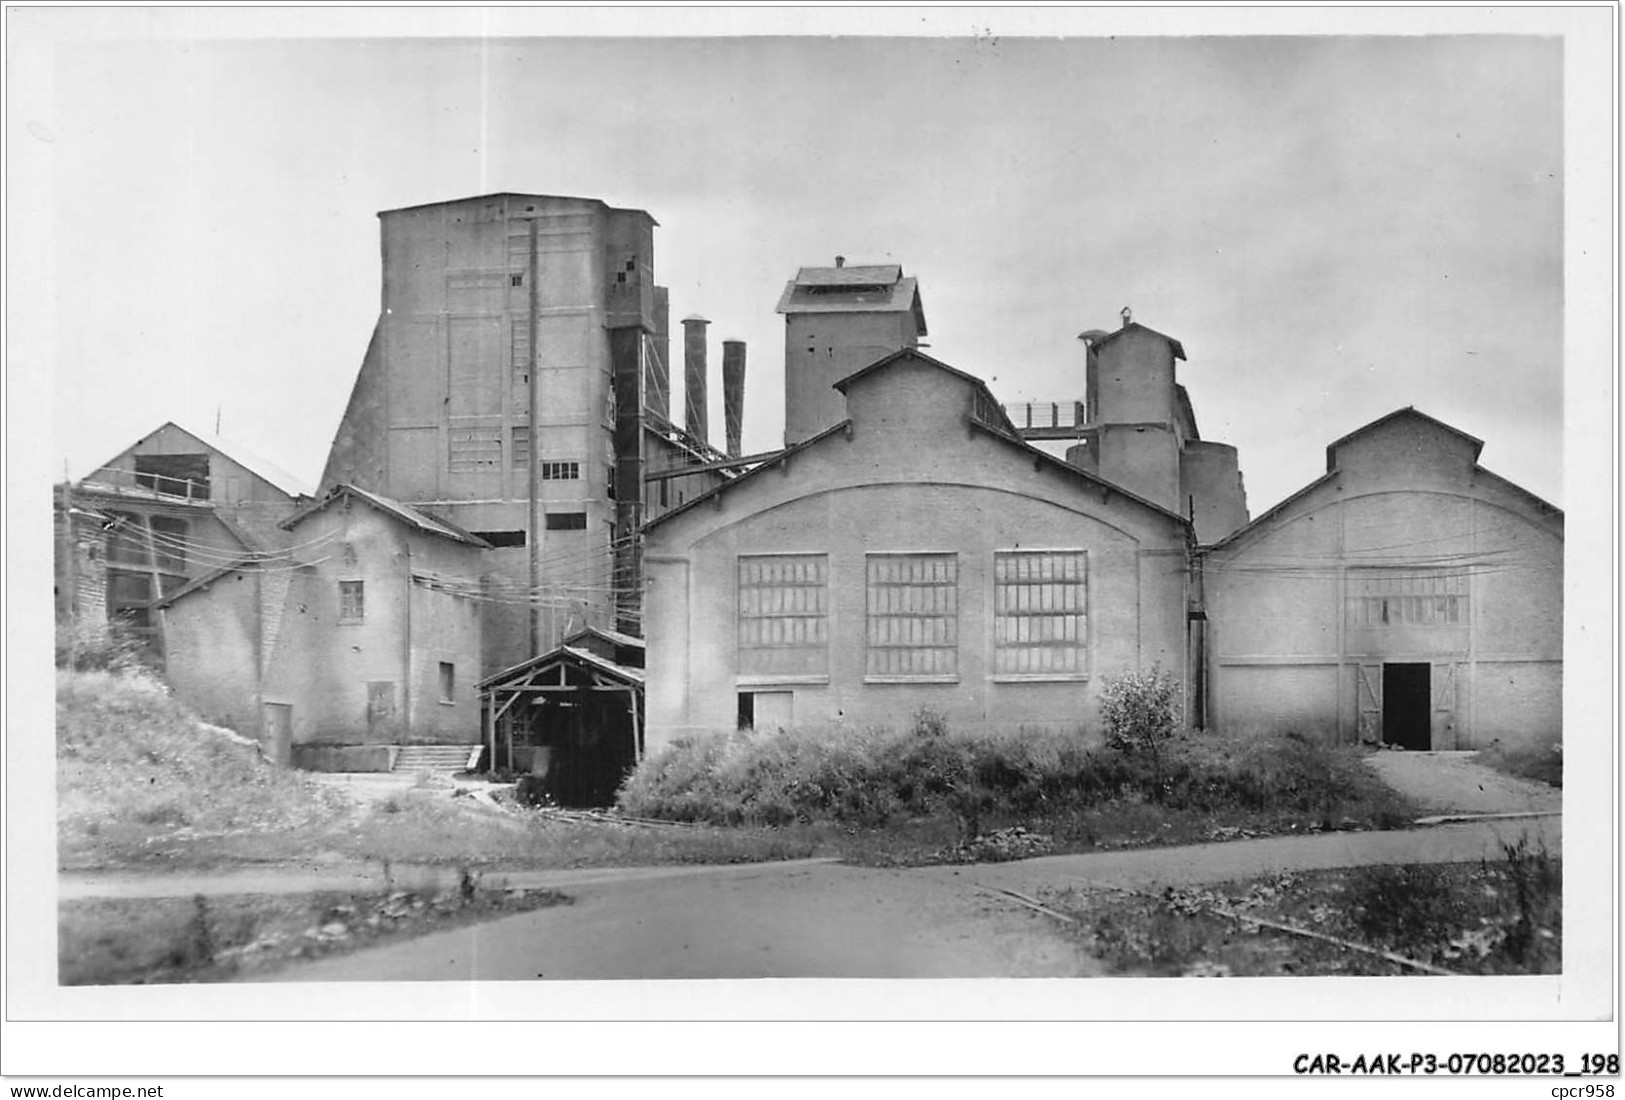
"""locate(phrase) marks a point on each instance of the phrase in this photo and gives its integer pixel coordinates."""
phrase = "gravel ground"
(1450, 783)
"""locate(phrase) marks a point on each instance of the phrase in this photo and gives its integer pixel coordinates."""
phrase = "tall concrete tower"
(838, 320)
(440, 414)
(1142, 432)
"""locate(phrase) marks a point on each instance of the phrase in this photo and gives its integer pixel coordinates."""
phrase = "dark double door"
(1407, 705)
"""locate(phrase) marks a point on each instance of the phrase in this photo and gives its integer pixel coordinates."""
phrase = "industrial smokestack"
(694, 391)
(733, 393)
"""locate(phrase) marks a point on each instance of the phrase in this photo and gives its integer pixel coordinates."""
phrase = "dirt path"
(812, 920)
(822, 919)
(1450, 783)
(1199, 864)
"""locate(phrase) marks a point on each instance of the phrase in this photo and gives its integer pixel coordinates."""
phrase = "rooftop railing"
(130, 481)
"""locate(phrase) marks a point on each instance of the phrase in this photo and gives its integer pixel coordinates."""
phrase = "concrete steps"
(436, 758)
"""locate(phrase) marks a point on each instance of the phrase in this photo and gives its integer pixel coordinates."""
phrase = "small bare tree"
(1141, 712)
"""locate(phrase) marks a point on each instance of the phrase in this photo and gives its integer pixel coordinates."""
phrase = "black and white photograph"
(719, 514)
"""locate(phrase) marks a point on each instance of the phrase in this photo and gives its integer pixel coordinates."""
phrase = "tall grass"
(872, 778)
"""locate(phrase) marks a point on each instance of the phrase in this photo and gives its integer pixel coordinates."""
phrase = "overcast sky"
(1334, 226)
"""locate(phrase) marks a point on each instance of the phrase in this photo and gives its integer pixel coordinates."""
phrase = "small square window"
(448, 682)
(352, 605)
(516, 279)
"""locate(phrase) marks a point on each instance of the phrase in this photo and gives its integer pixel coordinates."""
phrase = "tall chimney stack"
(694, 391)
(733, 393)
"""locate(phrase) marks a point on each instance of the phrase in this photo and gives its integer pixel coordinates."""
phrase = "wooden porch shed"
(572, 716)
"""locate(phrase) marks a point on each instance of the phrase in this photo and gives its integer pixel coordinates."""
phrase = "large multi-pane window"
(912, 624)
(1394, 597)
(1040, 614)
(784, 615)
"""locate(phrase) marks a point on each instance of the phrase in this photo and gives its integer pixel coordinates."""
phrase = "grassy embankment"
(142, 785)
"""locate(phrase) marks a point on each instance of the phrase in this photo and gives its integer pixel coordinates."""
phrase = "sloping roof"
(248, 460)
(1062, 465)
(1257, 522)
(765, 464)
(1135, 326)
(912, 353)
(832, 291)
(614, 637)
(405, 513)
(203, 582)
(1332, 472)
(856, 275)
(1005, 432)
(246, 564)
(1410, 412)
(632, 677)
(519, 195)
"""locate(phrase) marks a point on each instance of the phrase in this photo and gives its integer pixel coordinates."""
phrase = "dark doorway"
(1406, 706)
(588, 745)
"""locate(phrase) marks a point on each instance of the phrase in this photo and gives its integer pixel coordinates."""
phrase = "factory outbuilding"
(1408, 596)
(164, 511)
(917, 553)
(572, 717)
(362, 643)
(838, 320)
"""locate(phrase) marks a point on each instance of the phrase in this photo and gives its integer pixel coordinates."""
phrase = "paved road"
(816, 919)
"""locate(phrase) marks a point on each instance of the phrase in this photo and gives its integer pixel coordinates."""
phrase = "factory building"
(167, 509)
(521, 339)
(517, 547)
(359, 643)
(917, 553)
(1407, 596)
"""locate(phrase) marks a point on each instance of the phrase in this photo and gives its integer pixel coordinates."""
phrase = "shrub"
(856, 777)
(1537, 888)
(1141, 712)
(1408, 906)
(89, 644)
(982, 782)
(531, 790)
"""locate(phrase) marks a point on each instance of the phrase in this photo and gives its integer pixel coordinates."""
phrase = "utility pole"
(69, 571)
(538, 523)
